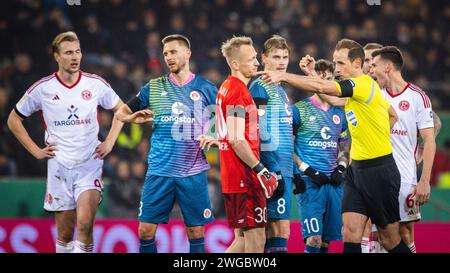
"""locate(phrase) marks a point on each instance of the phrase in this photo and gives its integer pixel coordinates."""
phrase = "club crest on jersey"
(336, 119)
(207, 213)
(194, 95)
(403, 105)
(352, 117)
(312, 118)
(86, 95)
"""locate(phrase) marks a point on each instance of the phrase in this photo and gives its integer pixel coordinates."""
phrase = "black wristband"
(258, 168)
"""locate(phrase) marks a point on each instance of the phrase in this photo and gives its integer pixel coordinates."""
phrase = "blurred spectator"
(8, 166)
(441, 169)
(124, 192)
(120, 83)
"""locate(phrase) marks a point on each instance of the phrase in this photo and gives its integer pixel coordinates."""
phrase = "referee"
(373, 183)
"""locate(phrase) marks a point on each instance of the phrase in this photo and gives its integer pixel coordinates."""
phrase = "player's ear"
(357, 63)
(235, 65)
(263, 59)
(56, 56)
(188, 53)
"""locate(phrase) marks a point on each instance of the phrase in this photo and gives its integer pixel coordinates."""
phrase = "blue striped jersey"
(317, 133)
(181, 115)
(275, 124)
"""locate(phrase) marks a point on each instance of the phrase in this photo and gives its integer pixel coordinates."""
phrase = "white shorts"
(64, 185)
(409, 210)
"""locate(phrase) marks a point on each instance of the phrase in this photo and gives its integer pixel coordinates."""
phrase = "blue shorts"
(281, 208)
(320, 211)
(159, 194)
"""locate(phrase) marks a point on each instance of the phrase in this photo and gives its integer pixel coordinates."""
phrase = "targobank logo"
(323, 144)
(73, 118)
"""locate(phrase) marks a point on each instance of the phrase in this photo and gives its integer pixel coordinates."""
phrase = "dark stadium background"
(121, 41)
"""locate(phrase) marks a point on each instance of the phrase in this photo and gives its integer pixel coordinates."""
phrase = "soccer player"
(177, 104)
(320, 132)
(368, 49)
(246, 182)
(277, 147)
(68, 100)
(415, 117)
(373, 180)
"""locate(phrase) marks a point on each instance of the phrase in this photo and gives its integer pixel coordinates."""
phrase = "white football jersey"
(414, 111)
(69, 113)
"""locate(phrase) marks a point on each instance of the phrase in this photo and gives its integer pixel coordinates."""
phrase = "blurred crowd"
(121, 41)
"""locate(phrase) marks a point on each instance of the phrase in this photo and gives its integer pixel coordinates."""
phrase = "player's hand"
(422, 192)
(279, 192)
(317, 177)
(103, 149)
(267, 179)
(141, 116)
(207, 141)
(271, 76)
(337, 177)
(46, 152)
(300, 184)
(307, 64)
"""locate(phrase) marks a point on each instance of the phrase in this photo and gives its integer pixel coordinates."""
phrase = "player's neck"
(396, 83)
(181, 77)
(319, 103)
(239, 75)
(68, 78)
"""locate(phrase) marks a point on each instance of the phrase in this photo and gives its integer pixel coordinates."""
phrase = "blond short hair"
(68, 36)
(231, 47)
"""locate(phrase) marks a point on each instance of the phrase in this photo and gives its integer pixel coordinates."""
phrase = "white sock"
(63, 247)
(83, 248)
(412, 247)
(365, 245)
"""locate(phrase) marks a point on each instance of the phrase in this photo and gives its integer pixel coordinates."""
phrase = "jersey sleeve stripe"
(426, 103)
(425, 98)
(32, 87)
(371, 93)
(93, 76)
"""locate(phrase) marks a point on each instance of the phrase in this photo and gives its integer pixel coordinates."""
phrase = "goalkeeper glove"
(300, 184)
(337, 177)
(279, 192)
(267, 179)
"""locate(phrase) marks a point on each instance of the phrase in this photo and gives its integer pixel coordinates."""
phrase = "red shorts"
(246, 209)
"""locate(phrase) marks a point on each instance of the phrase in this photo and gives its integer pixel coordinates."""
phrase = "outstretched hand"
(141, 116)
(271, 76)
(207, 141)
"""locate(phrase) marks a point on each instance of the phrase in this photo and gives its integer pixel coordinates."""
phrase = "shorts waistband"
(382, 160)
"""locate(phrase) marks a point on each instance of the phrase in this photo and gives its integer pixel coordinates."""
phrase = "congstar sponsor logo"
(323, 144)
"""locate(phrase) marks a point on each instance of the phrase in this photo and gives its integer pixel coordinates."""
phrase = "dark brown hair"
(355, 50)
(392, 54)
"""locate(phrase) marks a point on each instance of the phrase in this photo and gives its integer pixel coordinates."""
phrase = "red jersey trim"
(36, 84)
(93, 76)
(69, 86)
(396, 95)
(426, 100)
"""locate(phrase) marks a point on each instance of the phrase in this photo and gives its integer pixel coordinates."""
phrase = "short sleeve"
(109, 98)
(297, 120)
(424, 114)
(358, 89)
(30, 102)
(343, 136)
(144, 97)
(257, 91)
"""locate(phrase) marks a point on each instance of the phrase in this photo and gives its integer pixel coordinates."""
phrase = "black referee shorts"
(372, 188)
